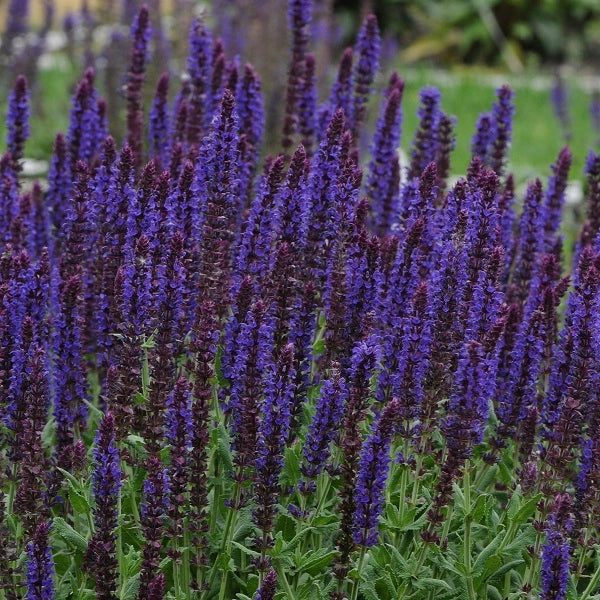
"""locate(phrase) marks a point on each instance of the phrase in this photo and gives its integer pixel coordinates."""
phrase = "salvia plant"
(317, 374)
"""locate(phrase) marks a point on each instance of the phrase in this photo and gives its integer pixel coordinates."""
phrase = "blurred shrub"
(491, 31)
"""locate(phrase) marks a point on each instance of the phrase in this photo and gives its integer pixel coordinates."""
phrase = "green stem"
(359, 568)
(467, 536)
(120, 554)
(592, 585)
(283, 579)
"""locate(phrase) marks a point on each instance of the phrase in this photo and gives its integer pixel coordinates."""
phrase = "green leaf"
(68, 534)
(479, 564)
(316, 561)
(319, 347)
(78, 502)
(429, 583)
(291, 465)
(131, 587)
(527, 509)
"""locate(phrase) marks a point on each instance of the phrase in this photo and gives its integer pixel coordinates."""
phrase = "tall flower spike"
(268, 587)
(530, 241)
(140, 37)
(199, 70)
(556, 551)
(482, 139)
(425, 142)
(323, 428)
(84, 134)
(251, 123)
(155, 503)
(372, 475)
(502, 114)
(559, 96)
(159, 125)
(592, 225)
(299, 21)
(17, 120)
(307, 105)
(365, 69)
(59, 181)
(100, 559)
(341, 92)
(382, 183)
(179, 437)
(555, 197)
(272, 435)
(40, 565)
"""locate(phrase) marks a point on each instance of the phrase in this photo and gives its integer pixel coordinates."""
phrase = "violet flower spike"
(372, 476)
(17, 120)
(40, 565)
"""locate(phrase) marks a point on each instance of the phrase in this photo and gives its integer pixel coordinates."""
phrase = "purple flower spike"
(555, 196)
(307, 105)
(425, 141)
(272, 435)
(154, 507)
(365, 69)
(299, 20)
(100, 559)
(556, 552)
(17, 120)
(372, 476)
(382, 181)
(159, 125)
(323, 428)
(502, 115)
(268, 587)
(40, 565)
(482, 140)
(199, 70)
(140, 36)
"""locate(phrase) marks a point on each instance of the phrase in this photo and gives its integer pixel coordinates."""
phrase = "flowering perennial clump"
(319, 374)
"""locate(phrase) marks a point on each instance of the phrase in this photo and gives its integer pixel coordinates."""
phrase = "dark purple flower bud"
(17, 120)
(365, 69)
(40, 565)
(100, 559)
(372, 475)
(272, 434)
(159, 126)
(140, 37)
(268, 587)
(156, 588)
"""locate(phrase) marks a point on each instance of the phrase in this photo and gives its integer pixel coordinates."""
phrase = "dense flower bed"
(233, 376)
